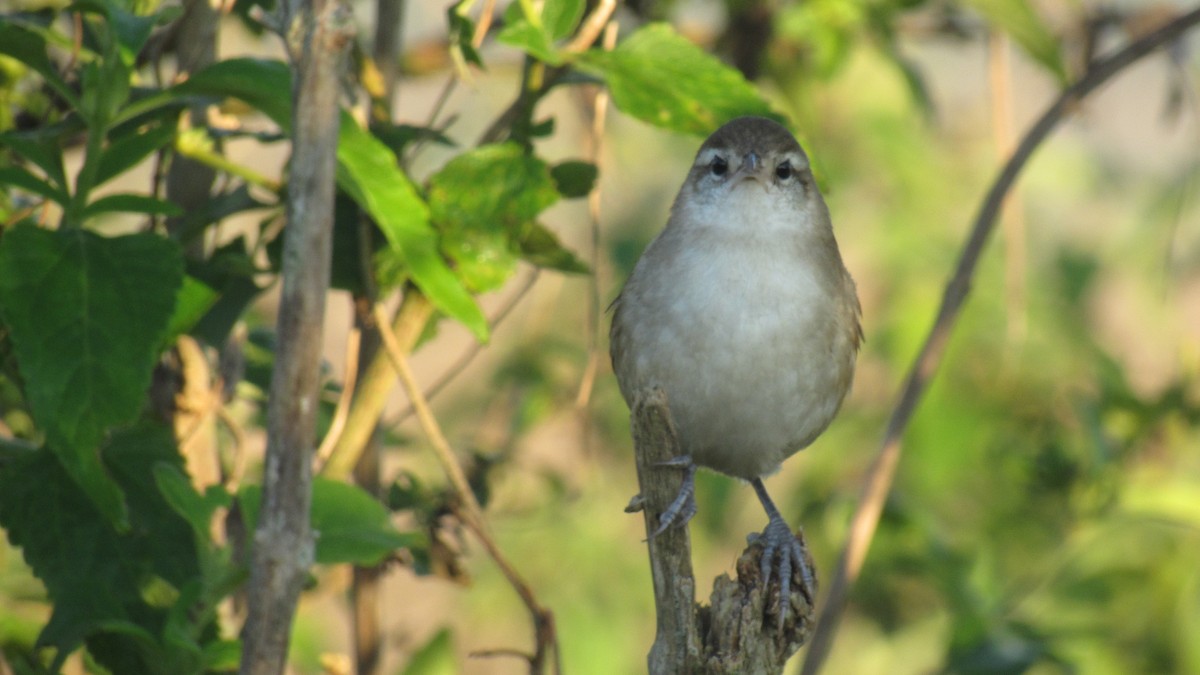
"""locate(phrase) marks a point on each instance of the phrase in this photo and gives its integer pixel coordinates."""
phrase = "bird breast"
(746, 337)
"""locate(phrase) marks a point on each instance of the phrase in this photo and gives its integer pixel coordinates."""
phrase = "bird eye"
(784, 170)
(718, 166)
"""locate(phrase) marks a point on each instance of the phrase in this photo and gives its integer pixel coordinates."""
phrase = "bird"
(742, 311)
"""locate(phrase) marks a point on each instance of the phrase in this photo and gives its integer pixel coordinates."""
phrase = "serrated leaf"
(193, 507)
(659, 77)
(128, 152)
(540, 247)
(351, 526)
(1019, 19)
(481, 201)
(86, 315)
(574, 179)
(94, 575)
(368, 172)
(130, 203)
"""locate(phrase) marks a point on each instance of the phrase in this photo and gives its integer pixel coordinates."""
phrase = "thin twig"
(342, 411)
(591, 27)
(445, 455)
(470, 512)
(599, 114)
(484, 23)
(1012, 219)
(882, 472)
(470, 353)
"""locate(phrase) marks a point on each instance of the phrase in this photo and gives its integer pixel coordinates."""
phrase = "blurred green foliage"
(1046, 518)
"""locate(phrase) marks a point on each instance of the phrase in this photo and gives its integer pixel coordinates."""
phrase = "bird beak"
(751, 168)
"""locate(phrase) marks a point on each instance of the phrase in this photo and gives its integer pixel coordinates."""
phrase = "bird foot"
(784, 554)
(683, 507)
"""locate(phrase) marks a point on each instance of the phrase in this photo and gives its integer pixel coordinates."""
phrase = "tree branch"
(882, 472)
(283, 542)
(737, 632)
(469, 511)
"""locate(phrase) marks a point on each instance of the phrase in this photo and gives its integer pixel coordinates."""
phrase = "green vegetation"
(1046, 514)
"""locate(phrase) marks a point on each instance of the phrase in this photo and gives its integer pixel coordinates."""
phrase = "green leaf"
(94, 574)
(351, 525)
(105, 93)
(540, 247)
(129, 203)
(128, 152)
(222, 656)
(462, 31)
(23, 179)
(193, 507)
(481, 201)
(574, 179)
(531, 40)
(30, 48)
(528, 34)
(658, 76)
(86, 315)
(560, 17)
(42, 148)
(193, 302)
(262, 83)
(132, 31)
(368, 172)
(1019, 19)
(435, 657)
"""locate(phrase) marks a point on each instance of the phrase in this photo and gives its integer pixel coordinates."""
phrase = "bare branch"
(599, 113)
(736, 632)
(471, 513)
(882, 472)
(283, 542)
(591, 27)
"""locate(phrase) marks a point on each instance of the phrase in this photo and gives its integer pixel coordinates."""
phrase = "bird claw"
(683, 507)
(784, 552)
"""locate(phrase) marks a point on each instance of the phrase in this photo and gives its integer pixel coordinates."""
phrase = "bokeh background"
(1046, 514)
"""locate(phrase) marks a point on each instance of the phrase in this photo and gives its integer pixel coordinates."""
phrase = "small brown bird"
(743, 313)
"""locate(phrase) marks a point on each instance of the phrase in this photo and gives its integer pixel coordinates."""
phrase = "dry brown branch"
(460, 364)
(879, 477)
(484, 23)
(282, 550)
(591, 27)
(737, 632)
(469, 511)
